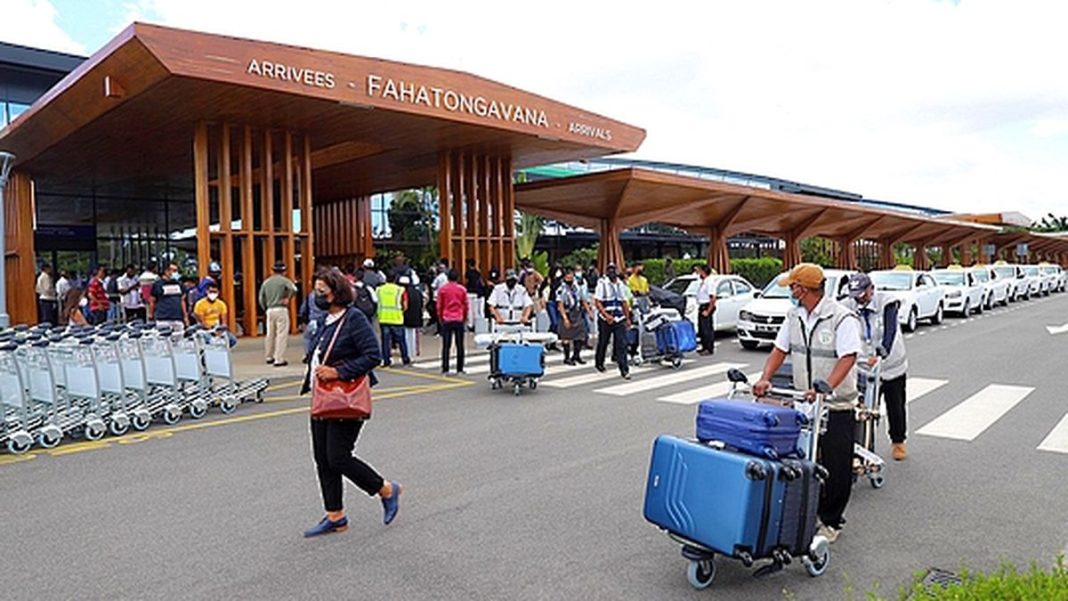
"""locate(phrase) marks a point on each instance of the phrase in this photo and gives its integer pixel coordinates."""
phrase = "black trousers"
(134, 314)
(333, 441)
(893, 392)
(706, 329)
(452, 331)
(47, 311)
(98, 317)
(836, 455)
(617, 332)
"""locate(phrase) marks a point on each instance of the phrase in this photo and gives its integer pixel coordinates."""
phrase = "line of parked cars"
(757, 315)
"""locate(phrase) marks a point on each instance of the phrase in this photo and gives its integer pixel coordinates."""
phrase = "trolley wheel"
(636, 361)
(119, 427)
(495, 384)
(198, 409)
(227, 406)
(140, 422)
(171, 415)
(533, 384)
(701, 573)
(816, 567)
(94, 429)
(49, 437)
(19, 443)
(518, 388)
(676, 362)
(876, 480)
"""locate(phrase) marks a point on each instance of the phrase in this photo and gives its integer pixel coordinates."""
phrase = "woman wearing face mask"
(345, 349)
(573, 308)
(74, 303)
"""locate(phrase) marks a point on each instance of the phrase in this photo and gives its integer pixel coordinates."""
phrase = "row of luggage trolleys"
(746, 488)
(61, 382)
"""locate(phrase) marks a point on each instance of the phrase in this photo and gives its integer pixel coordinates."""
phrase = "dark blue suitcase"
(734, 504)
(676, 337)
(509, 359)
(756, 428)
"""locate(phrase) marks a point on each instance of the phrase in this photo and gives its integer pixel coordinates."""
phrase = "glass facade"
(10, 110)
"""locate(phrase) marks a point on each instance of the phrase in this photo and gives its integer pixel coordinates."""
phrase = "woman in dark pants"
(354, 354)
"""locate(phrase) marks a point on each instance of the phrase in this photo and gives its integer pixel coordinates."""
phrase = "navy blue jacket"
(355, 353)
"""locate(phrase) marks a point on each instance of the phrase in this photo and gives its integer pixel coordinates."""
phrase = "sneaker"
(325, 526)
(269, 361)
(568, 362)
(280, 363)
(580, 361)
(831, 534)
(391, 504)
(600, 368)
(899, 452)
(406, 362)
(626, 375)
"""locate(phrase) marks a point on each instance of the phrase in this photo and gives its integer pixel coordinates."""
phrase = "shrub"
(1005, 583)
(758, 271)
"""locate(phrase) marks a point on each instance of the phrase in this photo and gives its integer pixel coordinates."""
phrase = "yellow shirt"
(638, 284)
(209, 313)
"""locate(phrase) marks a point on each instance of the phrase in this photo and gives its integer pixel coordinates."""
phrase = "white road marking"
(917, 387)
(668, 379)
(696, 395)
(612, 373)
(923, 332)
(549, 359)
(907, 336)
(1057, 440)
(470, 358)
(975, 414)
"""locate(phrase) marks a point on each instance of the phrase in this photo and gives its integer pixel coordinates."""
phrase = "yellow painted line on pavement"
(137, 437)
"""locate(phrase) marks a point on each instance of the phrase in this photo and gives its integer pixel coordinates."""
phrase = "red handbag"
(340, 399)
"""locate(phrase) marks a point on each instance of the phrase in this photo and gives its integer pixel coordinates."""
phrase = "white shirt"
(439, 281)
(62, 287)
(846, 335)
(704, 294)
(45, 289)
(512, 302)
(132, 299)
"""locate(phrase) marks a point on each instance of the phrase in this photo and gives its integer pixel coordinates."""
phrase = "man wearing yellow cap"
(822, 338)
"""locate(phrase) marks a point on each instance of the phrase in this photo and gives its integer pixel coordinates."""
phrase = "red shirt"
(98, 296)
(452, 302)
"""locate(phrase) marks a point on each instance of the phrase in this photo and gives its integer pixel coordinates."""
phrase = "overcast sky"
(959, 105)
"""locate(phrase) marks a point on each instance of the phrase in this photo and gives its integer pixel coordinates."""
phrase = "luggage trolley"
(15, 422)
(866, 462)
(40, 382)
(124, 411)
(659, 337)
(517, 356)
(219, 369)
(816, 555)
(76, 377)
(162, 395)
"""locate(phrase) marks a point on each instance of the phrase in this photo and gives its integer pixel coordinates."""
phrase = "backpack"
(364, 302)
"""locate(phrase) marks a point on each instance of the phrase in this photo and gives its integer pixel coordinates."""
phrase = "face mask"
(321, 301)
(559, 273)
(83, 301)
(795, 301)
(174, 277)
(212, 296)
(510, 282)
(613, 276)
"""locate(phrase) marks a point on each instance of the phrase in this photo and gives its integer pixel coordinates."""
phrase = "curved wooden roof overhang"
(632, 197)
(128, 113)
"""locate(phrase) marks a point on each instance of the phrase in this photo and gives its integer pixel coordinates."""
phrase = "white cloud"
(33, 23)
(960, 105)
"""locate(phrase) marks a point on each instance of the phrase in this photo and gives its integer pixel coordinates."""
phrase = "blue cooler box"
(511, 359)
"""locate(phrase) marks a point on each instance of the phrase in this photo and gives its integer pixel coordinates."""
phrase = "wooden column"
(225, 236)
(248, 247)
(307, 239)
(445, 203)
(718, 253)
(18, 204)
(609, 249)
(201, 196)
(791, 255)
(920, 260)
(846, 257)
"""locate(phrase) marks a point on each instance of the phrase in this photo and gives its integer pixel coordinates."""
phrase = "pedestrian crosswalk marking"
(1057, 440)
(668, 379)
(468, 359)
(917, 387)
(596, 376)
(974, 415)
(711, 391)
(549, 359)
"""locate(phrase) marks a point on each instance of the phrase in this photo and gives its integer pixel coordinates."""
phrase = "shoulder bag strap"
(333, 339)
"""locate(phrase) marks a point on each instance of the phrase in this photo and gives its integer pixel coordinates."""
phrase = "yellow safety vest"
(390, 308)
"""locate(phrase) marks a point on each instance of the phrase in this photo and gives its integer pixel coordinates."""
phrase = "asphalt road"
(531, 497)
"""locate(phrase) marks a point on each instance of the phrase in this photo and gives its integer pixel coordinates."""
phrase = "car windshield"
(1005, 271)
(1049, 270)
(892, 281)
(1031, 270)
(981, 276)
(774, 290)
(949, 278)
(680, 285)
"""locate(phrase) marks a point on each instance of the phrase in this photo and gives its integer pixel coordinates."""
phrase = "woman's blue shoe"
(326, 526)
(391, 504)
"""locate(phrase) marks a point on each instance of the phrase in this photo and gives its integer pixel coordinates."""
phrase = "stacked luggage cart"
(660, 334)
(747, 488)
(517, 356)
(57, 383)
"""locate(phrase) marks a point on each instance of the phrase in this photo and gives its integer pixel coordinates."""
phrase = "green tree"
(412, 217)
(817, 250)
(1050, 223)
(528, 228)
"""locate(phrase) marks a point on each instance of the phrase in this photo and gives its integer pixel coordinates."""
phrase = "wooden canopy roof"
(128, 113)
(632, 197)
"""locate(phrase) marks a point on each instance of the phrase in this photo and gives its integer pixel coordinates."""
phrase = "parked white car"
(759, 320)
(1014, 274)
(1036, 283)
(920, 296)
(1056, 276)
(732, 292)
(996, 290)
(964, 293)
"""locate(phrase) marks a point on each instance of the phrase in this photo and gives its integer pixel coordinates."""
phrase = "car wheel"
(910, 325)
(938, 316)
(967, 309)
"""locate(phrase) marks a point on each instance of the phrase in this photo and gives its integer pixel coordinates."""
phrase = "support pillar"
(920, 260)
(791, 254)
(966, 256)
(887, 260)
(476, 207)
(610, 249)
(20, 268)
(718, 254)
(847, 254)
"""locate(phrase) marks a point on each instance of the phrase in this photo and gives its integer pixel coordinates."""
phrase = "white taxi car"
(1054, 275)
(732, 293)
(1014, 274)
(920, 295)
(996, 290)
(759, 320)
(964, 293)
(1037, 283)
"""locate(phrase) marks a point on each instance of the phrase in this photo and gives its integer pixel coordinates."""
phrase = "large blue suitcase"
(676, 337)
(757, 428)
(734, 504)
(509, 359)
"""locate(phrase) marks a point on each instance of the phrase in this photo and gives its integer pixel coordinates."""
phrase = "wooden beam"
(664, 214)
(289, 242)
(801, 231)
(858, 233)
(306, 221)
(200, 196)
(445, 193)
(248, 247)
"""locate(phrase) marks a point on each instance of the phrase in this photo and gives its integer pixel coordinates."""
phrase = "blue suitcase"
(676, 337)
(509, 359)
(755, 428)
(733, 504)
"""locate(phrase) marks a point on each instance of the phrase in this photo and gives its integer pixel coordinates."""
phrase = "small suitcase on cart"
(716, 500)
(767, 430)
(518, 363)
(676, 337)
